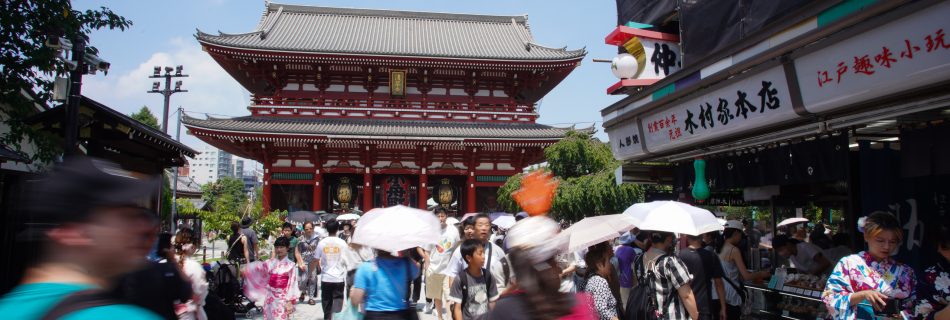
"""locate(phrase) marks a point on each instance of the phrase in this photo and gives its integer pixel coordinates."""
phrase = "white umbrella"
(673, 216)
(348, 216)
(397, 228)
(791, 221)
(597, 229)
(504, 222)
(451, 221)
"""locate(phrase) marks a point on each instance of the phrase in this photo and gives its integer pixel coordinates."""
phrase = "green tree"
(225, 196)
(28, 65)
(146, 117)
(585, 168)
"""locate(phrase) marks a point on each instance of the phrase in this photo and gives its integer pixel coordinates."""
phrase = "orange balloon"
(536, 194)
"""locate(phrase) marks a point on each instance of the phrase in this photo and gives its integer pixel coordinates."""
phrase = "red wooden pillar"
(317, 191)
(265, 194)
(423, 192)
(470, 199)
(367, 191)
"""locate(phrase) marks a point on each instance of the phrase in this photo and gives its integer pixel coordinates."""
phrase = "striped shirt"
(671, 274)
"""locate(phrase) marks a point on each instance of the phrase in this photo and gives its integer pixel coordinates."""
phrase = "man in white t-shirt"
(438, 259)
(494, 256)
(330, 255)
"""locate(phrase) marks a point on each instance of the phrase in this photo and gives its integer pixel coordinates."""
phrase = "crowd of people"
(91, 247)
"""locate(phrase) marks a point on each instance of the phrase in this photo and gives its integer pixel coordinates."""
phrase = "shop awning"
(838, 77)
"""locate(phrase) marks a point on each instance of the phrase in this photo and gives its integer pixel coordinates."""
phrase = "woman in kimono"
(933, 290)
(273, 283)
(185, 247)
(869, 282)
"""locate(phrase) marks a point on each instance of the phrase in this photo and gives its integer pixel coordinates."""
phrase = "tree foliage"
(585, 168)
(27, 65)
(225, 196)
(146, 117)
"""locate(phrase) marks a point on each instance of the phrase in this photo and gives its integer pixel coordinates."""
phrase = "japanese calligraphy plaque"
(625, 141)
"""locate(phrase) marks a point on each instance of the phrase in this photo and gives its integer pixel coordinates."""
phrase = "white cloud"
(210, 89)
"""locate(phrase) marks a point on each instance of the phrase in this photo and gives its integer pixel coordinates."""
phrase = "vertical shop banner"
(905, 54)
(920, 203)
(759, 100)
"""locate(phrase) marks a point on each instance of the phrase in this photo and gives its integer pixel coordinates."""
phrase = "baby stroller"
(225, 281)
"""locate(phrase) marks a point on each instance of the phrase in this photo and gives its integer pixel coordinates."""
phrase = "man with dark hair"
(252, 242)
(329, 254)
(86, 220)
(287, 231)
(671, 275)
(494, 255)
(706, 269)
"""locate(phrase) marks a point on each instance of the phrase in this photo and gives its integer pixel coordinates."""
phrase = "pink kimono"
(272, 284)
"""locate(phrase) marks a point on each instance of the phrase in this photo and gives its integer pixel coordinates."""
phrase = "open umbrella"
(673, 216)
(791, 221)
(597, 229)
(397, 228)
(348, 216)
(504, 222)
(301, 217)
(328, 216)
(467, 215)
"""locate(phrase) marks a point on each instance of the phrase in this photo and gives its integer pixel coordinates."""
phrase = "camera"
(97, 63)
(59, 43)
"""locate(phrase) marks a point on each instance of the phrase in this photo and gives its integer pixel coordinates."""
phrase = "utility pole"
(71, 136)
(175, 179)
(167, 93)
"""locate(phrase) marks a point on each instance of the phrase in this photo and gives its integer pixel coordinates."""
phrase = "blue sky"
(163, 31)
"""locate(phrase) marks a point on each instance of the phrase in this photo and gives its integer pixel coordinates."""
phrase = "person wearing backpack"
(670, 279)
(85, 220)
(473, 292)
(706, 270)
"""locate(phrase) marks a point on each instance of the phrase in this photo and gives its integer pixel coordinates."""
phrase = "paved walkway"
(315, 312)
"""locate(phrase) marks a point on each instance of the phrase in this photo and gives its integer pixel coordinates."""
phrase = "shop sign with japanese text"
(757, 101)
(907, 53)
(625, 140)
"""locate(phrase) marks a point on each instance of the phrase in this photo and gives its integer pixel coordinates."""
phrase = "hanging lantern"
(344, 193)
(445, 194)
(700, 187)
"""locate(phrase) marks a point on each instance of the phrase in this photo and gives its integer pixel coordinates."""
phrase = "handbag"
(746, 306)
(349, 311)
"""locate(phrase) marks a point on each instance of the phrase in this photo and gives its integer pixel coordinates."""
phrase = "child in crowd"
(474, 292)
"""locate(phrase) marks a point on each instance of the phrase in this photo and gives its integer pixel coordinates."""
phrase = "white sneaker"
(428, 308)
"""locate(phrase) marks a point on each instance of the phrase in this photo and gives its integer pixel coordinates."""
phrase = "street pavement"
(315, 312)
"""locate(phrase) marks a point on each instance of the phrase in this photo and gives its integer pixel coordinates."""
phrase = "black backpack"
(642, 304)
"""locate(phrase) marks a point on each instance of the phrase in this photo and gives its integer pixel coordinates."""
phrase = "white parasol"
(504, 222)
(348, 216)
(597, 229)
(673, 216)
(397, 228)
(790, 221)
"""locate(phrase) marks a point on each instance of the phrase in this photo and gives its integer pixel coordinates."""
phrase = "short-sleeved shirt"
(671, 274)
(457, 264)
(704, 266)
(804, 260)
(385, 282)
(330, 251)
(626, 255)
(293, 248)
(34, 300)
(252, 242)
(308, 246)
(441, 253)
(480, 293)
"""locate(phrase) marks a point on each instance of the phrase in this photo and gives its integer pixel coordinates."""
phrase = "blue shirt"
(385, 282)
(34, 300)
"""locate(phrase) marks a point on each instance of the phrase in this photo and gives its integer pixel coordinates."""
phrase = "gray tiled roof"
(297, 28)
(380, 128)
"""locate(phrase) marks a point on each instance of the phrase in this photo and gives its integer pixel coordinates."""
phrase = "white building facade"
(211, 165)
